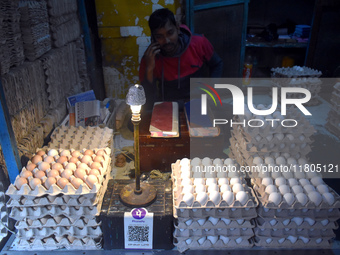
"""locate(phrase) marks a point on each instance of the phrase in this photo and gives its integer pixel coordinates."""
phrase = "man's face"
(167, 37)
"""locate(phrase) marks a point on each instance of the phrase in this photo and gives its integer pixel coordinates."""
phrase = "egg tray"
(39, 212)
(193, 244)
(230, 213)
(331, 214)
(263, 198)
(264, 223)
(54, 243)
(308, 233)
(281, 242)
(182, 223)
(92, 232)
(57, 221)
(185, 233)
(333, 127)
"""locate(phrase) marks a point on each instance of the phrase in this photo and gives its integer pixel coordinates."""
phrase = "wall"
(125, 35)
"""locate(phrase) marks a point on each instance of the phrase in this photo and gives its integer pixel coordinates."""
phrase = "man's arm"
(215, 66)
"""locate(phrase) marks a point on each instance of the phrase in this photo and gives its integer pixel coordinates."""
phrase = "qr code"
(138, 233)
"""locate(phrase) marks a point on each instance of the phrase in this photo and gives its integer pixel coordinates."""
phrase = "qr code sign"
(138, 233)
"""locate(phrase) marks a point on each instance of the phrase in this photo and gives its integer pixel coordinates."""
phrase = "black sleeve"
(150, 94)
(215, 66)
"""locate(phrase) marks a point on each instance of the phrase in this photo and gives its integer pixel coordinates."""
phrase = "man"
(173, 57)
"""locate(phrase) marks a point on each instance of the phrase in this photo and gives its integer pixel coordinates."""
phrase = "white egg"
(280, 181)
(297, 220)
(301, 198)
(263, 174)
(200, 188)
(289, 198)
(267, 181)
(201, 240)
(213, 187)
(258, 161)
(309, 188)
(322, 188)
(317, 180)
(184, 162)
(280, 161)
(276, 174)
(228, 161)
(237, 187)
(222, 174)
(222, 181)
(310, 221)
(292, 182)
(275, 198)
(185, 174)
(302, 161)
(228, 196)
(202, 198)
(198, 174)
(217, 161)
(242, 197)
(271, 189)
(188, 198)
(210, 181)
(269, 161)
(328, 197)
(185, 168)
(199, 181)
(311, 174)
(52, 152)
(225, 187)
(287, 175)
(299, 175)
(297, 189)
(284, 189)
(215, 197)
(304, 182)
(210, 174)
(206, 161)
(195, 161)
(235, 180)
(315, 197)
(186, 181)
(187, 189)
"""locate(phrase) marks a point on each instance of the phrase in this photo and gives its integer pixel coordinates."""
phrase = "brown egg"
(76, 154)
(49, 159)
(95, 165)
(80, 173)
(49, 182)
(39, 174)
(20, 181)
(65, 153)
(36, 159)
(89, 152)
(43, 166)
(62, 182)
(41, 153)
(98, 159)
(67, 173)
(57, 166)
(53, 173)
(71, 166)
(91, 180)
(76, 182)
(86, 159)
(26, 174)
(31, 166)
(73, 160)
(94, 172)
(100, 153)
(62, 159)
(34, 182)
(83, 165)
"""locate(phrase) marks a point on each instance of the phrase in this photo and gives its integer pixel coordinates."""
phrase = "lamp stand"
(137, 194)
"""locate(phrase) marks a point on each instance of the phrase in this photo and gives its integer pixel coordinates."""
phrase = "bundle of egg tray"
(213, 210)
(297, 76)
(333, 120)
(79, 138)
(55, 199)
(299, 212)
(3, 213)
(247, 142)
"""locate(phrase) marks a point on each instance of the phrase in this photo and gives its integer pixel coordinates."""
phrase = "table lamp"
(137, 194)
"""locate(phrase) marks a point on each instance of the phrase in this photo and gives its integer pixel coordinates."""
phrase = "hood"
(184, 39)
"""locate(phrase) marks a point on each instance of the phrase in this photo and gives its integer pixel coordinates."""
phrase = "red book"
(164, 120)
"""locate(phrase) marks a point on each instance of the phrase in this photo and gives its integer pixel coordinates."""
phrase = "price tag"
(138, 229)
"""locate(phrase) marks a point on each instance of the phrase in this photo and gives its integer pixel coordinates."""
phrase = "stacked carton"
(333, 121)
(299, 212)
(213, 210)
(3, 213)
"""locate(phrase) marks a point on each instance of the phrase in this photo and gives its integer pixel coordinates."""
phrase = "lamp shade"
(136, 95)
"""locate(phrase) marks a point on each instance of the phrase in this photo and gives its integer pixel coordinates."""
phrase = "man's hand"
(149, 56)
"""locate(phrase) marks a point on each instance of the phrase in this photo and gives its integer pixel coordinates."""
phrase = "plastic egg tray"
(298, 242)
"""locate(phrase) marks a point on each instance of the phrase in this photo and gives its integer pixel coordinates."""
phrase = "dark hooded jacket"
(172, 74)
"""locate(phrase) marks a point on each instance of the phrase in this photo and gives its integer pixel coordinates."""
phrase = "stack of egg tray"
(3, 213)
(4, 53)
(333, 120)
(248, 142)
(50, 217)
(35, 28)
(294, 220)
(301, 77)
(215, 224)
(82, 67)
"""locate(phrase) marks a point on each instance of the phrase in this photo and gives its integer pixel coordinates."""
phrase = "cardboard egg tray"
(188, 223)
(331, 214)
(288, 72)
(194, 244)
(38, 212)
(56, 221)
(263, 198)
(53, 243)
(3, 214)
(284, 232)
(282, 242)
(229, 213)
(92, 232)
(181, 233)
(282, 223)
